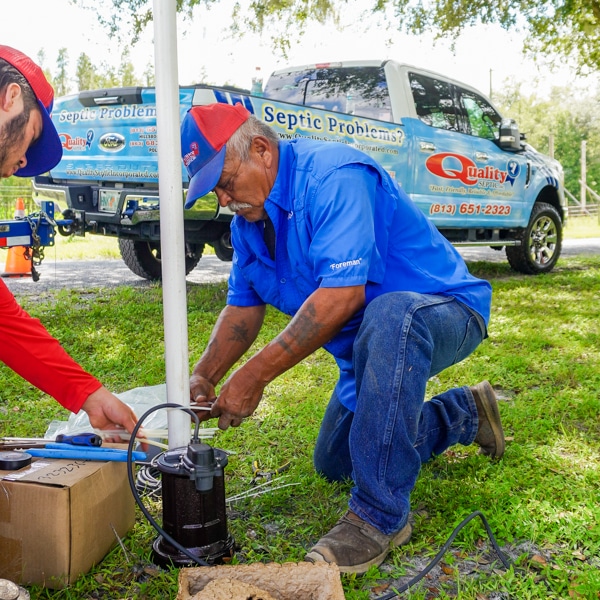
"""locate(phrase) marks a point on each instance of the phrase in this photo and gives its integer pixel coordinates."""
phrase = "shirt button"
(282, 280)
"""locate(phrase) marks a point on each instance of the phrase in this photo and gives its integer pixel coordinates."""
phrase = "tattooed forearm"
(304, 329)
(239, 332)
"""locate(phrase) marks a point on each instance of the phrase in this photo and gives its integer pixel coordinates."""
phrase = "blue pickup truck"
(466, 167)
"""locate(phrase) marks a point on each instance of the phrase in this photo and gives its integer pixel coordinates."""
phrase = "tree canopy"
(89, 76)
(569, 28)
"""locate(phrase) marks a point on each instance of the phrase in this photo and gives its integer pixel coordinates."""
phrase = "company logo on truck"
(337, 125)
(456, 166)
(112, 142)
(118, 113)
(76, 143)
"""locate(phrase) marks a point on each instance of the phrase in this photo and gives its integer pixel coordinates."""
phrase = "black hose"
(507, 564)
(134, 491)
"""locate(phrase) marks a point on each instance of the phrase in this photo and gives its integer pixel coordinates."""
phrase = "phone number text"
(469, 208)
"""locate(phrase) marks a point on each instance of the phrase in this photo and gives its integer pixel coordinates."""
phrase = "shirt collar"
(281, 194)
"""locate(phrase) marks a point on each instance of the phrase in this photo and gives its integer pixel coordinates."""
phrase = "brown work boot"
(490, 436)
(354, 545)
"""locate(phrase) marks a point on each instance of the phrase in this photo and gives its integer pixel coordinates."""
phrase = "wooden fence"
(585, 207)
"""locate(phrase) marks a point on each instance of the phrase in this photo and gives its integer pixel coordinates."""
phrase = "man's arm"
(320, 318)
(29, 350)
(233, 333)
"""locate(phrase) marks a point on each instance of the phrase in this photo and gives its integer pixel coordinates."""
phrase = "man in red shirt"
(30, 145)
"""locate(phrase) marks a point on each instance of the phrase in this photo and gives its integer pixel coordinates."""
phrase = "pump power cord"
(395, 594)
(505, 561)
(132, 485)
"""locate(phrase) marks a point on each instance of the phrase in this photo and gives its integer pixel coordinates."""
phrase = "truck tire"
(541, 242)
(223, 247)
(143, 258)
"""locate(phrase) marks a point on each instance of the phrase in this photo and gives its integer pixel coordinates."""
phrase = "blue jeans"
(405, 338)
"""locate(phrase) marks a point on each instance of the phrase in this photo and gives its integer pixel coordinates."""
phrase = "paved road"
(112, 273)
(105, 273)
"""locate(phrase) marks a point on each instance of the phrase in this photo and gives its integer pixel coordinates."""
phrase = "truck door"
(500, 177)
(461, 178)
(440, 150)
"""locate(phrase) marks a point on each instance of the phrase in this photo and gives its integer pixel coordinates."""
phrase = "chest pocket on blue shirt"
(262, 278)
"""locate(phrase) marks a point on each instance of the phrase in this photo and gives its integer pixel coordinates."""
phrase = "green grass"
(541, 499)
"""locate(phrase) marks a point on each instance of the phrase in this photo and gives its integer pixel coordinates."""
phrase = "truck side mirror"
(510, 138)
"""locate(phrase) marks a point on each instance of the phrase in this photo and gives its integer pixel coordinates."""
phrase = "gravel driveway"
(111, 273)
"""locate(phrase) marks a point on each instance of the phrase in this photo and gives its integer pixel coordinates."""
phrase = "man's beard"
(11, 134)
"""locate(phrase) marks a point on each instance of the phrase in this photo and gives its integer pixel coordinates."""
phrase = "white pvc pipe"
(171, 219)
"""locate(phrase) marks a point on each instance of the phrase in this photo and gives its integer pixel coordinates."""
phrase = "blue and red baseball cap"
(46, 152)
(204, 132)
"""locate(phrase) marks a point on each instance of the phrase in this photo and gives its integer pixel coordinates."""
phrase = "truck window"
(483, 120)
(287, 86)
(360, 91)
(434, 102)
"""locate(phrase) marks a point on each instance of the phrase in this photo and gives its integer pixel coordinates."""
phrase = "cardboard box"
(58, 518)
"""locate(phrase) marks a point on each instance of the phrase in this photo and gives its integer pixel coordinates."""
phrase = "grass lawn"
(541, 500)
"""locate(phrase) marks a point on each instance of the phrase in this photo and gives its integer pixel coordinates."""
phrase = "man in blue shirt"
(323, 233)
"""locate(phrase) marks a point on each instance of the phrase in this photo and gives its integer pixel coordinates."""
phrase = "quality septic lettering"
(456, 166)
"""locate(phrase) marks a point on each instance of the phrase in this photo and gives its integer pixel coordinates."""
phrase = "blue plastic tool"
(82, 453)
(80, 439)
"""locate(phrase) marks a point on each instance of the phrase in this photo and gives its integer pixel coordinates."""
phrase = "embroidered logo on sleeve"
(346, 263)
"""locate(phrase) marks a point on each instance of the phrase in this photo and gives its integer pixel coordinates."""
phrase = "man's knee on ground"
(331, 469)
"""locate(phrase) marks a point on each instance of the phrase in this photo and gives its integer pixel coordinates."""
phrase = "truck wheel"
(223, 247)
(143, 258)
(541, 242)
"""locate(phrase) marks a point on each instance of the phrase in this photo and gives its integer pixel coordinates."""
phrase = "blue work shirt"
(341, 220)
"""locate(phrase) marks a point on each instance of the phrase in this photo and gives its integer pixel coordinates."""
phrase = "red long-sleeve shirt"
(29, 350)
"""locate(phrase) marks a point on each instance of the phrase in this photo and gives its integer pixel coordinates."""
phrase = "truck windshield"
(360, 91)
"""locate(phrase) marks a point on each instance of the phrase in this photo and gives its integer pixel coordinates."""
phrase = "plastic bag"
(139, 399)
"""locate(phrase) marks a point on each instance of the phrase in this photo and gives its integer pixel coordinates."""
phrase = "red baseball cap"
(46, 152)
(204, 132)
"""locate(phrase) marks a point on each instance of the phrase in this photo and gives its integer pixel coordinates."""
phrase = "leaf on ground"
(538, 560)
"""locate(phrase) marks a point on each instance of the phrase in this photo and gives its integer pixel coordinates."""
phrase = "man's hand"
(238, 398)
(202, 395)
(106, 411)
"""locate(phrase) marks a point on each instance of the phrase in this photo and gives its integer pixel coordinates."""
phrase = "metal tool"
(258, 474)
(78, 439)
